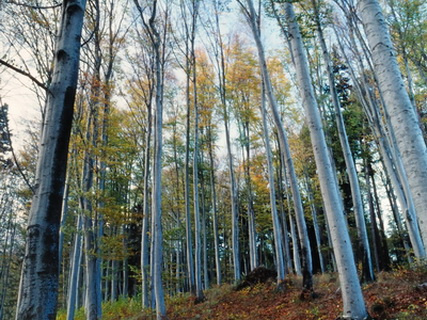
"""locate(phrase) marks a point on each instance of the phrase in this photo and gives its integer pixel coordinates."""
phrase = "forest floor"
(400, 294)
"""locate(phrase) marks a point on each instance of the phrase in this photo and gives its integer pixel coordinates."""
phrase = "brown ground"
(401, 295)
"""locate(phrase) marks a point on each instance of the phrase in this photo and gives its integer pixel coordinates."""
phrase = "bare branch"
(24, 73)
(35, 7)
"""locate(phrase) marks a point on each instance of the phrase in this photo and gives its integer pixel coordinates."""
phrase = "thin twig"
(24, 73)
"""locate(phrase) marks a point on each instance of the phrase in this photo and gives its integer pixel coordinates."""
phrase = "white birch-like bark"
(390, 163)
(214, 209)
(277, 228)
(188, 229)
(146, 213)
(38, 290)
(75, 270)
(283, 140)
(295, 247)
(157, 236)
(64, 215)
(196, 204)
(403, 119)
(246, 155)
(353, 303)
(315, 223)
(157, 173)
(368, 271)
(233, 186)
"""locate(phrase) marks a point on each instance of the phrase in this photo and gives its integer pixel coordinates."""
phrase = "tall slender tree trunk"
(157, 172)
(354, 306)
(196, 205)
(75, 270)
(404, 198)
(38, 289)
(403, 120)
(214, 209)
(277, 228)
(145, 242)
(307, 267)
(368, 272)
(315, 223)
(233, 186)
(286, 247)
(253, 259)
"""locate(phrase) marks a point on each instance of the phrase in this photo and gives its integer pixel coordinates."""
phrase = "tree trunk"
(363, 243)
(253, 260)
(277, 228)
(214, 210)
(315, 223)
(307, 267)
(75, 270)
(196, 206)
(38, 290)
(354, 306)
(404, 122)
(233, 187)
(404, 198)
(145, 242)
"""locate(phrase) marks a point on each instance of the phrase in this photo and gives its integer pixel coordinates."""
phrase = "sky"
(16, 90)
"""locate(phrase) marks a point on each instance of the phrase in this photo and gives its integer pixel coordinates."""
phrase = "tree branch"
(34, 7)
(24, 73)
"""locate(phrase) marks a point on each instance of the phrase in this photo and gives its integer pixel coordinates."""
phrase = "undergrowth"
(400, 294)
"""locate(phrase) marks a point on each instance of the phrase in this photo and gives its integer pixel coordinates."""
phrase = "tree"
(403, 119)
(354, 306)
(39, 280)
(368, 272)
(302, 228)
(157, 41)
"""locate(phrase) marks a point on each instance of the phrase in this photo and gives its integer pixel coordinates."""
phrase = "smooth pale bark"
(286, 247)
(295, 247)
(233, 186)
(157, 44)
(214, 209)
(157, 173)
(204, 236)
(368, 272)
(64, 215)
(246, 155)
(75, 270)
(146, 212)
(353, 303)
(234, 208)
(196, 203)
(38, 290)
(371, 111)
(92, 270)
(403, 119)
(307, 268)
(277, 228)
(188, 232)
(315, 223)
(188, 229)
(157, 196)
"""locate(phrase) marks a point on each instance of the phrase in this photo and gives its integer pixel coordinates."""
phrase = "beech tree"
(368, 272)
(39, 281)
(179, 175)
(354, 306)
(307, 267)
(410, 141)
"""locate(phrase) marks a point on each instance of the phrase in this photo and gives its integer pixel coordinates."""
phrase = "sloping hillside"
(401, 295)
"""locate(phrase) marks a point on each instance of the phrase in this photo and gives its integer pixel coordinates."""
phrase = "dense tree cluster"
(186, 143)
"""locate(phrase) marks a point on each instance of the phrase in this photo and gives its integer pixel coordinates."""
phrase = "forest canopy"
(181, 145)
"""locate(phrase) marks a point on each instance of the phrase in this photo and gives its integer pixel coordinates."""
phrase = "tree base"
(307, 295)
(345, 318)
